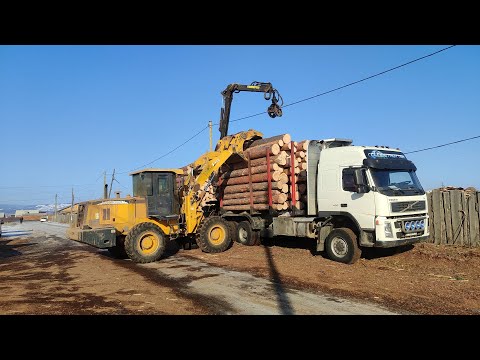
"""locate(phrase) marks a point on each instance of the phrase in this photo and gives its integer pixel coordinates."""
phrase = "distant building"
(2, 215)
(19, 213)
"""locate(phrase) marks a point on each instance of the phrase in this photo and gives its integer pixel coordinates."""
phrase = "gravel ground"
(41, 272)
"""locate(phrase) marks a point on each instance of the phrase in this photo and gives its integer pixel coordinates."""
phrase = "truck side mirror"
(361, 181)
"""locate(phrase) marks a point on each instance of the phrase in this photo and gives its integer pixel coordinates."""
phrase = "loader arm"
(205, 168)
(269, 92)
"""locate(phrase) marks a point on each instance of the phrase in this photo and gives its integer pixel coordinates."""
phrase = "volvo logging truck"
(357, 196)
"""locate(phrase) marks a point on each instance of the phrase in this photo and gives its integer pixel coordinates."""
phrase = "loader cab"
(158, 187)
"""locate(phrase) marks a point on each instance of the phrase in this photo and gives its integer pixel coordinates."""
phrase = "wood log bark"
(255, 207)
(280, 159)
(284, 137)
(300, 154)
(298, 205)
(256, 178)
(231, 189)
(288, 146)
(277, 196)
(278, 199)
(287, 163)
(303, 145)
(260, 151)
(288, 172)
(282, 177)
(255, 170)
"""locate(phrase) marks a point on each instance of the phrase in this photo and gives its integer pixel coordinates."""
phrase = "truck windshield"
(397, 182)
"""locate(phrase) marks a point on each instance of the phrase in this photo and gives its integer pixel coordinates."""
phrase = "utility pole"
(71, 209)
(55, 216)
(111, 183)
(105, 186)
(210, 127)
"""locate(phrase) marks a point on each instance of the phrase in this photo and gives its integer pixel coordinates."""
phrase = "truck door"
(161, 199)
(360, 205)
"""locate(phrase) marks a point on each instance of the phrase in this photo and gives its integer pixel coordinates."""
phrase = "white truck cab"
(357, 196)
(375, 187)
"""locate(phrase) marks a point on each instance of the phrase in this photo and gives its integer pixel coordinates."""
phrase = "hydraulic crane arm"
(206, 167)
(269, 93)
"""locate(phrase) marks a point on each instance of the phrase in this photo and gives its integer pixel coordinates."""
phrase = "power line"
(370, 77)
(352, 83)
(168, 153)
(302, 100)
(438, 146)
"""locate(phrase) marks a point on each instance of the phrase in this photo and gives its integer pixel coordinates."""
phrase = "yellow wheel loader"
(167, 203)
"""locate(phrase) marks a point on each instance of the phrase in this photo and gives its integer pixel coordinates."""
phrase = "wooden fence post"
(448, 217)
(457, 226)
(431, 228)
(466, 220)
(439, 224)
(473, 219)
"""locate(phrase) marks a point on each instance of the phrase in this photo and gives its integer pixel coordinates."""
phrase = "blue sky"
(69, 113)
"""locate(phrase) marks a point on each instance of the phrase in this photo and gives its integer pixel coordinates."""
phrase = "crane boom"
(269, 92)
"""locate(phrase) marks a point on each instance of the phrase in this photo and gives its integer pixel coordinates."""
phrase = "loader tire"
(246, 235)
(118, 251)
(213, 235)
(341, 245)
(145, 243)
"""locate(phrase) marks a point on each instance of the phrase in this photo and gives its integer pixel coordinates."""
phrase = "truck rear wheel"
(232, 226)
(213, 235)
(246, 235)
(341, 245)
(145, 243)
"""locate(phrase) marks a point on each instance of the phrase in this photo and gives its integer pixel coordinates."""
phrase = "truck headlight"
(388, 230)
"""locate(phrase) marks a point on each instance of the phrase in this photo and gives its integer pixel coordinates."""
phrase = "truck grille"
(411, 205)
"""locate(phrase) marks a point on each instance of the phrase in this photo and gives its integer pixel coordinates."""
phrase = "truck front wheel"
(341, 245)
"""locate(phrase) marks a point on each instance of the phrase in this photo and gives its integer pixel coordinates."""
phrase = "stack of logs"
(235, 178)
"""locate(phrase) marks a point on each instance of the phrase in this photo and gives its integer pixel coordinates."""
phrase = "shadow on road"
(310, 244)
(375, 253)
(8, 250)
(282, 297)
(170, 249)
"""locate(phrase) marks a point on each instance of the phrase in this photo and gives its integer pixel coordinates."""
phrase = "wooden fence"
(454, 217)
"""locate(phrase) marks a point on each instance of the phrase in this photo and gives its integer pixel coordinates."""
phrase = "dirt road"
(43, 273)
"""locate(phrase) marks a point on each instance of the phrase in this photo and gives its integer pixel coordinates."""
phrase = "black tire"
(118, 251)
(145, 243)
(341, 245)
(246, 235)
(213, 235)
(233, 230)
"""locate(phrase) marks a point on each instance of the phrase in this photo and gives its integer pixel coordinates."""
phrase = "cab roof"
(176, 171)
